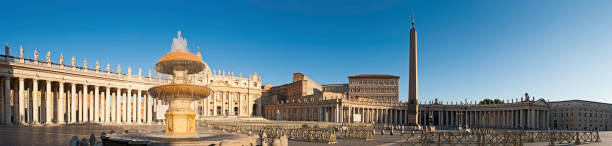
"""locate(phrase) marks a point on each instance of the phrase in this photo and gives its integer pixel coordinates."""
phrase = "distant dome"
(176, 58)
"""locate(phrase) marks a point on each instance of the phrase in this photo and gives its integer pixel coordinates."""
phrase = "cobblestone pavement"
(61, 135)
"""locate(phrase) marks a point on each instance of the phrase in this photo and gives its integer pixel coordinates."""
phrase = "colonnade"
(227, 103)
(342, 111)
(522, 118)
(43, 101)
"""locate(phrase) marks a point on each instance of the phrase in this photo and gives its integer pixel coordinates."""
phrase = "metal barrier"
(499, 137)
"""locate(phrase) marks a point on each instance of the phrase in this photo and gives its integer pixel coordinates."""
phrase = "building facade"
(379, 87)
(332, 104)
(580, 115)
(37, 91)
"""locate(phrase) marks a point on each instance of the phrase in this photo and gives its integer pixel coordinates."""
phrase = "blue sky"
(467, 49)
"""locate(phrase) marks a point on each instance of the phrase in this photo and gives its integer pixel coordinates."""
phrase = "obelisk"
(413, 107)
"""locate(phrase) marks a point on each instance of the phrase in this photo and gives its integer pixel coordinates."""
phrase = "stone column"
(83, 104)
(48, 102)
(230, 103)
(149, 110)
(35, 101)
(207, 106)
(96, 107)
(7, 101)
(61, 103)
(321, 114)
(129, 105)
(91, 106)
(107, 105)
(3, 110)
(73, 102)
(139, 107)
(21, 107)
(214, 96)
(117, 106)
(336, 111)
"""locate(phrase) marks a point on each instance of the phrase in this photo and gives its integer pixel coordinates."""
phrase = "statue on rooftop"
(85, 63)
(48, 56)
(97, 65)
(21, 51)
(119, 68)
(107, 66)
(35, 55)
(72, 60)
(61, 58)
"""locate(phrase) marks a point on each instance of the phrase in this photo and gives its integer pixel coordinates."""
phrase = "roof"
(385, 76)
(329, 85)
(578, 100)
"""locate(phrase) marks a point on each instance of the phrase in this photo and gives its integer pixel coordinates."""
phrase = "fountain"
(180, 128)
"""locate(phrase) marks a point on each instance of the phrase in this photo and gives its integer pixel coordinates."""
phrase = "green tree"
(491, 101)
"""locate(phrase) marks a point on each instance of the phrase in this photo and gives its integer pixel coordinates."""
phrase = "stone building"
(516, 114)
(379, 87)
(331, 105)
(580, 115)
(37, 91)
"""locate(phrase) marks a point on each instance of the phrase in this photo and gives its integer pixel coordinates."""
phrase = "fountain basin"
(169, 92)
(159, 138)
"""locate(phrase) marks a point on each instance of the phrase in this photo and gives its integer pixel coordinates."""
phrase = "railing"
(312, 132)
(490, 137)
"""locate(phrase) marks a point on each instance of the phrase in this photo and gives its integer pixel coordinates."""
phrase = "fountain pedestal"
(180, 123)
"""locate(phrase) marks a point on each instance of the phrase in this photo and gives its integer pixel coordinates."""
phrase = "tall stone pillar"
(138, 107)
(129, 106)
(48, 101)
(21, 106)
(73, 103)
(96, 105)
(117, 106)
(107, 104)
(214, 96)
(7, 101)
(124, 107)
(3, 110)
(61, 103)
(150, 111)
(88, 105)
(413, 83)
(35, 101)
